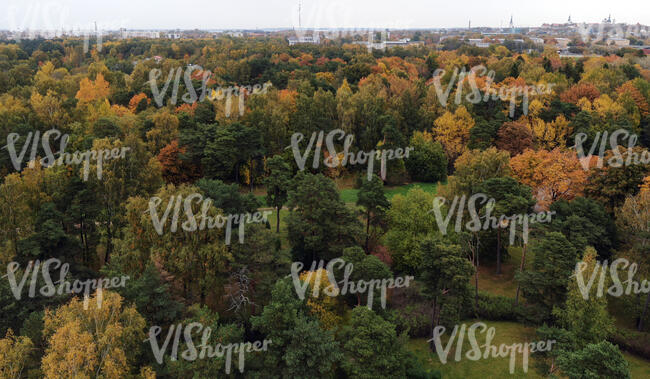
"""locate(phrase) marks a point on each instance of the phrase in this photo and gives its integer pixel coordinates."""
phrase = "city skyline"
(284, 14)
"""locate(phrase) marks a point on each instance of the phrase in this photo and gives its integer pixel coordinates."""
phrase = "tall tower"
(569, 21)
(299, 14)
(512, 26)
(469, 27)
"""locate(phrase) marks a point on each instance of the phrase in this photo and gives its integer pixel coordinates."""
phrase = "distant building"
(138, 34)
(314, 40)
(536, 40)
(382, 45)
(173, 35)
(562, 42)
(478, 42)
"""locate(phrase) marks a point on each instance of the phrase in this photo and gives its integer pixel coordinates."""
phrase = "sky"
(260, 14)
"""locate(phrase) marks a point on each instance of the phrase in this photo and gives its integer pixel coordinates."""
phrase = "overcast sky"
(237, 14)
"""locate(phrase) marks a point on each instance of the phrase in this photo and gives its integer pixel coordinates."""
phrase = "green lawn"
(505, 332)
(349, 195)
(504, 284)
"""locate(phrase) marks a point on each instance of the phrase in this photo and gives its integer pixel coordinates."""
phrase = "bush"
(496, 308)
(634, 342)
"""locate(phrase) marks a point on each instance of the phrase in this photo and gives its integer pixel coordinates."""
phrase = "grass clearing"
(506, 332)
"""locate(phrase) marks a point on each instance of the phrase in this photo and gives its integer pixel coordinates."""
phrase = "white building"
(478, 42)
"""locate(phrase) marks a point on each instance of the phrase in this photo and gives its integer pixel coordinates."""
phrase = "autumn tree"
(514, 137)
(579, 91)
(15, 352)
(173, 167)
(94, 341)
(90, 90)
(552, 174)
(452, 130)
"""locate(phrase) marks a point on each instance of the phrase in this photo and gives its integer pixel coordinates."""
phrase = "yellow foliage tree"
(48, 108)
(14, 353)
(323, 306)
(553, 134)
(94, 342)
(452, 131)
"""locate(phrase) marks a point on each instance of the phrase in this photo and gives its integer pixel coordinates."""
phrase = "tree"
(15, 353)
(546, 284)
(445, 276)
(511, 198)
(173, 167)
(300, 346)
(550, 135)
(584, 222)
(371, 347)
(165, 131)
(323, 306)
(320, 225)
(90, 91)
(409, 220)
(277, 184)
(427, 162)
(98, 341)
(473, 168)
(579, 91)
(633, 222)
(374, 203)
(587, 319)
(147, 291)
(231, 147)
(366, 268)
(452, 130)
(514, 137)
(553, 175)
(600, 360)
(138, 173)
(49, 109)
(612, 185)
(224, 334)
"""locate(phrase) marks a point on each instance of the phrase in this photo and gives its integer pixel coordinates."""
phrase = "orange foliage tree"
(578, 91)
(92, 90)
(553, 175)
(174, 169)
